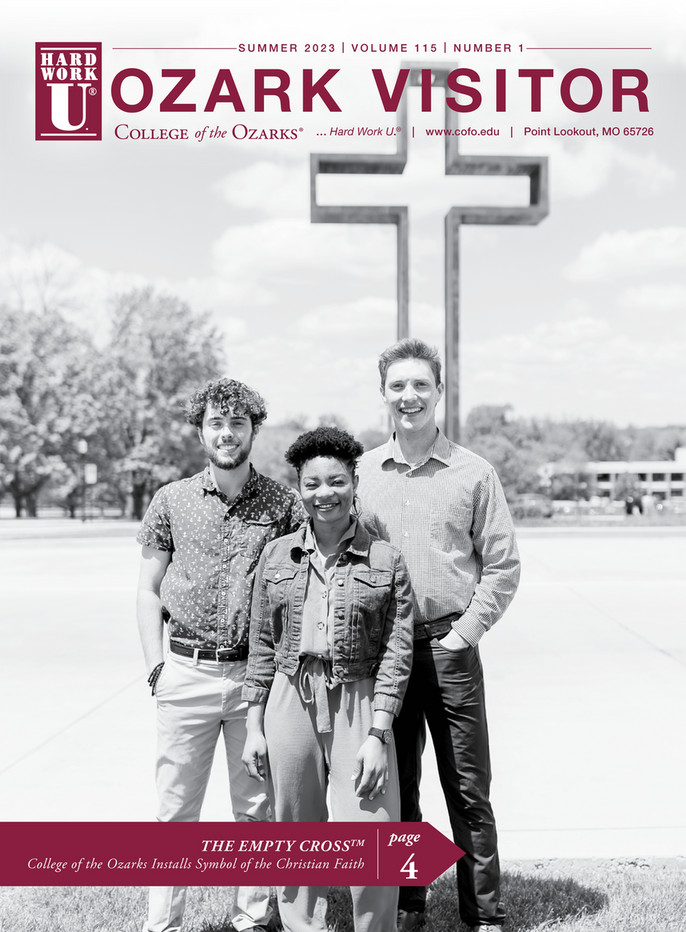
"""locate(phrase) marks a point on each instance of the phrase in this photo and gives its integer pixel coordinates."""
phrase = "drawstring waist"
(314, 678)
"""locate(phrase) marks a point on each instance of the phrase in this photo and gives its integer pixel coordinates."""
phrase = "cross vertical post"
(455, 164)
(353, 163)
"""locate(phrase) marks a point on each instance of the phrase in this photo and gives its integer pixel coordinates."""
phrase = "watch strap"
(383, 734)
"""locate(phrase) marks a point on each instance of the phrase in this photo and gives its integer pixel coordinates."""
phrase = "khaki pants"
(196, 702)
(303, 763)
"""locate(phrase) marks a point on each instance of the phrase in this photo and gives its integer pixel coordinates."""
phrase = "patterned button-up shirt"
(215, 546)
(449, 518)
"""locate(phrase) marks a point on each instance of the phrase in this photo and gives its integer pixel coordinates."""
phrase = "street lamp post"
(82, 449)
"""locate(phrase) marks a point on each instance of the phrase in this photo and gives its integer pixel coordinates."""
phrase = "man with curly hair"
(201, 540)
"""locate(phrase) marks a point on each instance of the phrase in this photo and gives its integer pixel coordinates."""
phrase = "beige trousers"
(196, 703)
(303, 764)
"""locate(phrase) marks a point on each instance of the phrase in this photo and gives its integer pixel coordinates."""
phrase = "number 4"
(409, 868)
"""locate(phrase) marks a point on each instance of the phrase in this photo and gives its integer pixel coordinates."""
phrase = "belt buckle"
(224, 654)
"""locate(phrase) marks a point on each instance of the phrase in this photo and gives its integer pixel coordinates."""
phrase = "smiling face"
(226, 438)
(327, 487)
(411, 393)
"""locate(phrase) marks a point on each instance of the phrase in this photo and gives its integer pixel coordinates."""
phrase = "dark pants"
(446, 691)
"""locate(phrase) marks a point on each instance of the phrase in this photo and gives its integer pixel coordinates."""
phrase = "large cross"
(455, 164)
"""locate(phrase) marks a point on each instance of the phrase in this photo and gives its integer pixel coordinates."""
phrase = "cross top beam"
(455, 164)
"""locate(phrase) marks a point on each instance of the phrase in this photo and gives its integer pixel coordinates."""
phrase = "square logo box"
(68, 90)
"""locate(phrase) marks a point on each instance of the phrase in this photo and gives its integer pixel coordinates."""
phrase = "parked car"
(531, 505)
(673, 506)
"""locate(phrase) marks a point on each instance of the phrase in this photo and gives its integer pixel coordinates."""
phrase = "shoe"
(409, 919)
(487, 927)
(244, 923)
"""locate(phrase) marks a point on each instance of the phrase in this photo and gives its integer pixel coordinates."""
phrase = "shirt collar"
(440, 451)
(356, 538)
(248, 490)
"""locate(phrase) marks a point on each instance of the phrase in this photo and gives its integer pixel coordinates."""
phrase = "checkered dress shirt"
(449, 518)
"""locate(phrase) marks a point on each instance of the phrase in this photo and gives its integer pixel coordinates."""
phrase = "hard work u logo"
(68, 90)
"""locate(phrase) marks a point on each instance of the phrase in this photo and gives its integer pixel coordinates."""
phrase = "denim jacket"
(373, 616)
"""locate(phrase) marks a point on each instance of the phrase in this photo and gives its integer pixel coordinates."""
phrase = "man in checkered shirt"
(445, 509)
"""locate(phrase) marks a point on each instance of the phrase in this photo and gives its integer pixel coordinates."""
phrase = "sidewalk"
(585, 685)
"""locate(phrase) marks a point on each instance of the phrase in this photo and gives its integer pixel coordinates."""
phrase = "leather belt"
(425, 630)
(221, 655)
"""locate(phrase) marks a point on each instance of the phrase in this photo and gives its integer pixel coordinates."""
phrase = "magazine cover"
(276, 193)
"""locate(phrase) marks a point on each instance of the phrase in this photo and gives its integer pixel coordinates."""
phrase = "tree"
(268, 451)
(372, 438)
(46, 370)
(332, 419)
(601, 440)
(628, 485)
(654, 443)
(159, 352)
(487, 420)
(492, 432)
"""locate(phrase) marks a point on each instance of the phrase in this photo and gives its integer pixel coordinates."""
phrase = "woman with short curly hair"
(330, 656)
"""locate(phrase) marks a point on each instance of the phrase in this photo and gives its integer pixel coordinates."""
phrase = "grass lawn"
(619, 895)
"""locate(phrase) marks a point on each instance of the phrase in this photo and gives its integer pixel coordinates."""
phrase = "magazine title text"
(179, 90)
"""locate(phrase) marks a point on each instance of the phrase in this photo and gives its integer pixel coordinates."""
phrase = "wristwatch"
(383, 734)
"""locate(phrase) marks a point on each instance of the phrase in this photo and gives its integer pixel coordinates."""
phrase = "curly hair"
(226, 394)
(324, 441)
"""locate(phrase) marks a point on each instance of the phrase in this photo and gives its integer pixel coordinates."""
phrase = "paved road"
(586, 685)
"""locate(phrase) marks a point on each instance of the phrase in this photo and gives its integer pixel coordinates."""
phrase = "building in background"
(658, 480)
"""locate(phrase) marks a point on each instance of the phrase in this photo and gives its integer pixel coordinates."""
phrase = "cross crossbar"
(455, 164)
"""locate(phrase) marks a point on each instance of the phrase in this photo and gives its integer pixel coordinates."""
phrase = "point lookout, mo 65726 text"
(588, 131)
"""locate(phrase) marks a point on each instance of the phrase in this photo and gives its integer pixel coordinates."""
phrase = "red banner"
(223, 853)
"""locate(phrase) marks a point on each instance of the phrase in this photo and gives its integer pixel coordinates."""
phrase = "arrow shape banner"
(223, 853)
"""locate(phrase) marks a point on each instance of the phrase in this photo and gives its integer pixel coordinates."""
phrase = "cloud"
(221, 297)
(583, 170)
(42, 275)
(279, 249)
(310, 376)
(661, 297)
(271, 188)
(369, 315)
(582, 367)
(624, 253)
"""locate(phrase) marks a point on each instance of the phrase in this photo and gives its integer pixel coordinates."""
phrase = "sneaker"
(243, 923)
(409, 919)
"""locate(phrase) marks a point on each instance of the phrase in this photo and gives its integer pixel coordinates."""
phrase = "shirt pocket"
(451, 526)
(279, 584)
(258, 532)
(372, 589)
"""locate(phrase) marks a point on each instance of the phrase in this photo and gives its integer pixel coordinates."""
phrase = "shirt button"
(320, 625)
(406, 533)
(341, 582)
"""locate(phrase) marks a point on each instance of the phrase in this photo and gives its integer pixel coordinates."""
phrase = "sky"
(581, 315)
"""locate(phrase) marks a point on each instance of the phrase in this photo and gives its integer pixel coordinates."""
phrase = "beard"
(228, 461)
